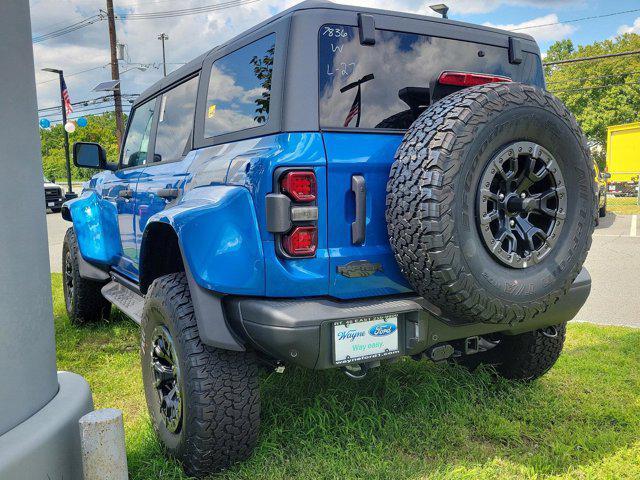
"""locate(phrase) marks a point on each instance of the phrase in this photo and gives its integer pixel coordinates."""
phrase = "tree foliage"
(600, 93)
(100, 129)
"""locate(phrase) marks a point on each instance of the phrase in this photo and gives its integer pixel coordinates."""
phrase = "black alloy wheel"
(166, 372)
(68, 283)
(522, 204)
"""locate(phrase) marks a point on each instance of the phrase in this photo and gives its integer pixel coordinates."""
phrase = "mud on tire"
(450, 167)
(216, 422)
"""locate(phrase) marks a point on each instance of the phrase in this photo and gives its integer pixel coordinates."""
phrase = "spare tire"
(491, 203)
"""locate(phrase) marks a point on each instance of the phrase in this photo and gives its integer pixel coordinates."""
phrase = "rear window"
(239, 94)
(360, 85)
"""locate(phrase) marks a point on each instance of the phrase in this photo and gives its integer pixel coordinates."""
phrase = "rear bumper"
(299, 331)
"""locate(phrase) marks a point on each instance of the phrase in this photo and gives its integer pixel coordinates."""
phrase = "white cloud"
(485, 6)
(549, 32)
(189, 36)
(635, 28)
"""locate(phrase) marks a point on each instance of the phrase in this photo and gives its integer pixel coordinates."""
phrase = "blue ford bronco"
(338, 187)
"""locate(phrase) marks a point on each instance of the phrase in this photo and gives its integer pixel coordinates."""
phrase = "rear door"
(164, 177)
(369, 95)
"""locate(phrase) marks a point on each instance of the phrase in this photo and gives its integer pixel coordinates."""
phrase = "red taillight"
(302, 242)
(465, 79)
(300, 185)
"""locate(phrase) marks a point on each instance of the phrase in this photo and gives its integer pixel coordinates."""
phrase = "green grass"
(411, 420)
(623, 205)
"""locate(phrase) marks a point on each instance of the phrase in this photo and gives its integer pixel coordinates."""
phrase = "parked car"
(603, 187)
(53, 196)
(334, 188)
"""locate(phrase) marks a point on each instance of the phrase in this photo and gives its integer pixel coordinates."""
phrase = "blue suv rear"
(259, 215)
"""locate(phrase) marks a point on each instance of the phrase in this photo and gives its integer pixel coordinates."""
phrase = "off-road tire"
(526, 357)
(431, 203)
(219, 389)
(83, 300)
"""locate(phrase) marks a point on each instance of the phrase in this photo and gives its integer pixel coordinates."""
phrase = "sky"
(189, 36)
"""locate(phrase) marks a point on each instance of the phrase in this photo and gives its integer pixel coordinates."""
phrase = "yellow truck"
(623, 159)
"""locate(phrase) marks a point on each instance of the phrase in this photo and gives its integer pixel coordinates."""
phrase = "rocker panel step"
(125, 299)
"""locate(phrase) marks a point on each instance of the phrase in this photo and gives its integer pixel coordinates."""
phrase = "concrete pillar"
(102, 441)
(38, 407)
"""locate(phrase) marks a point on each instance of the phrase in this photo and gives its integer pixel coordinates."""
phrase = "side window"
(240, 89)
(136, 144)
(175, 121)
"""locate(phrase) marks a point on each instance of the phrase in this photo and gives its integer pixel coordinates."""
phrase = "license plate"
(51, 204)
(365, 339)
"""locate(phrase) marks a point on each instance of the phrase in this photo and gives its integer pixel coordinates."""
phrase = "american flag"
(65, 96)
(355, 110)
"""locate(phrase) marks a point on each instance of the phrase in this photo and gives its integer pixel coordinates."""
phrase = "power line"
(595, 57)
(597, 87)
(578, 19)
(85, 22)
(582, 79)
(186, 11)
(91, 101)
(67, 75)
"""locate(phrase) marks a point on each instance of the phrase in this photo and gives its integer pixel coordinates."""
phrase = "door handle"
(125, 193)
(359, 227)
(168, 193)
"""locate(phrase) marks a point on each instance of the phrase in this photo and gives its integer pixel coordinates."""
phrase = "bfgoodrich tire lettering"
(218, 389)
(432, 203)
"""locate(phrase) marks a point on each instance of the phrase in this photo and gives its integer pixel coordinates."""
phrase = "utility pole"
(164, 37)
(115, 71)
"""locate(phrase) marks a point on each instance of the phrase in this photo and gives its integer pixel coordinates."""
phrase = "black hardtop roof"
(195, 64)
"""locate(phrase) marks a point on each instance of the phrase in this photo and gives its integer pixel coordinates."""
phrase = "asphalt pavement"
(614, 264)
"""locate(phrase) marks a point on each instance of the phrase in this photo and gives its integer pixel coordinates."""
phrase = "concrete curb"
(47, 444)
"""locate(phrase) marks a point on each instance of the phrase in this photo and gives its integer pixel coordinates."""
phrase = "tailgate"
(367, 267)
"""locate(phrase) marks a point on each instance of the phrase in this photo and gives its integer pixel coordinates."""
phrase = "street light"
(440, 8)
(69, 195)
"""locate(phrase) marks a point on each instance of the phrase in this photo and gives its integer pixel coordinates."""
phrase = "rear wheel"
(522, 357)
(83, 300)
(204, 402)
(490, 203)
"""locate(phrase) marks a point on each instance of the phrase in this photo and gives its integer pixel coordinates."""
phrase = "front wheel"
(526, 357)
(83, 299)
(204, 402)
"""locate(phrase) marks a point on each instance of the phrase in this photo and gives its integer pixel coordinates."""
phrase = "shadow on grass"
(406, 420)
(416, 420)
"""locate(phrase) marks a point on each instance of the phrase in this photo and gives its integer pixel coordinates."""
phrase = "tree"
(263, 70)
(100, 129)
(600, 93)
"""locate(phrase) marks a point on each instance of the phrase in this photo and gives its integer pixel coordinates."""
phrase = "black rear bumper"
(300, 330)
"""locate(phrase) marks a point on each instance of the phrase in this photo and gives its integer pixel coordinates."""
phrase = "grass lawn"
(623, 205)
(408, 420)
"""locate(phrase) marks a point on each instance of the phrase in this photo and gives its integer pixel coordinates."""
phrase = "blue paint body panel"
(220, 215)
(219, 238)
(95, 222)
(371, 156)
(290, 278)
